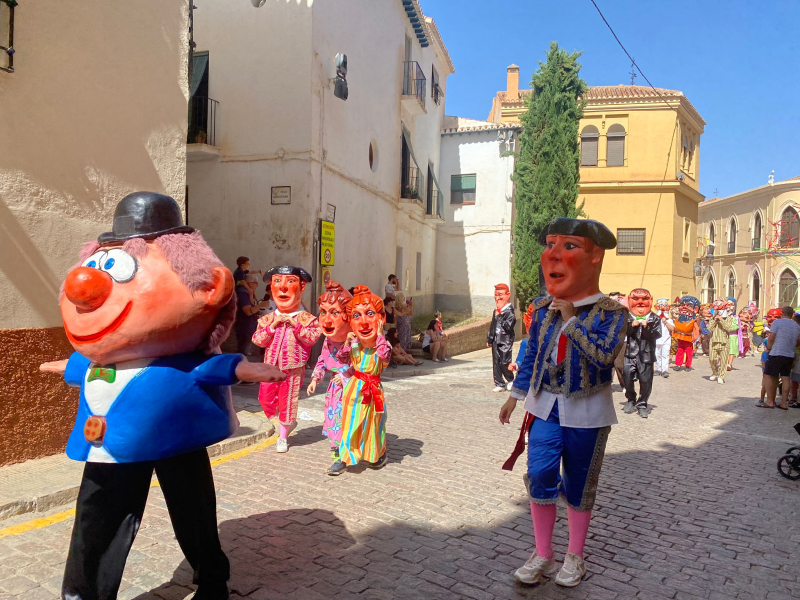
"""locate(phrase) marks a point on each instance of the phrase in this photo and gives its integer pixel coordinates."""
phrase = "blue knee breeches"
(580, 450)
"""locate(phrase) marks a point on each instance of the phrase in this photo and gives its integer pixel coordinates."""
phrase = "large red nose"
(87, 288)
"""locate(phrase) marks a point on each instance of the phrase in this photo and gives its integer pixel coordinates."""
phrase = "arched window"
(712, 234)
(732, 283)
(709, 288)
(756, 232)
(589, 138)
(787, 289)
(790, 228)
(732, 236)
(755, 288)
(615, 148)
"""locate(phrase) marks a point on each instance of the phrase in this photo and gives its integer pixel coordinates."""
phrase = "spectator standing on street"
(392, 286)
(403, 310)
(247, 313)
(782, 339)
(242, 269)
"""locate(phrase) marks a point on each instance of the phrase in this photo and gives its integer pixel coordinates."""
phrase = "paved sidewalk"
(690, 505)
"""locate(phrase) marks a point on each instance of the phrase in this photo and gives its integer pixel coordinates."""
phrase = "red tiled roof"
(606, 92)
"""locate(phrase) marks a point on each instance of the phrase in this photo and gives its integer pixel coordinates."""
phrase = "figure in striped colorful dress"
(363, 410)
(333, 321)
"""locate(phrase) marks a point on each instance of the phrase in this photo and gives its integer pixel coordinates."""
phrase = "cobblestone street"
(690, 505)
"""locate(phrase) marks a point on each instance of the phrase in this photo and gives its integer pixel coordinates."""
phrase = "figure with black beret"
(288, 334)
(565, 381)
(146, 308)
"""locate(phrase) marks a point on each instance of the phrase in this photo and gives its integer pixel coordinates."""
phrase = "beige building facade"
(94, 109)
(748, 246)
(639, 175)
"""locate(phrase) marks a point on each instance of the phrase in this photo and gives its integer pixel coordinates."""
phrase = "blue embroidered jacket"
(594, 338)
(175, 405)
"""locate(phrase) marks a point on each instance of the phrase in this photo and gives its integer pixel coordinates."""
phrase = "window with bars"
(589, 139)
(462, 188)
(630, 241)
(615, 156)
(7, 35)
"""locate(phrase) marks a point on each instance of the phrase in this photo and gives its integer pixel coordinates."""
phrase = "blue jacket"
(175, 405)
(593, 340)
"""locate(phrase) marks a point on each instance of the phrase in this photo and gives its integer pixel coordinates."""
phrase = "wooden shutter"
(616, 151)
(589, 151)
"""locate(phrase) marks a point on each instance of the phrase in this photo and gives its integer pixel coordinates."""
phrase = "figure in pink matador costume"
(288, 335)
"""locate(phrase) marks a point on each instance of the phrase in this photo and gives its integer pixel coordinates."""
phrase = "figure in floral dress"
(363, 410)
(333, 321)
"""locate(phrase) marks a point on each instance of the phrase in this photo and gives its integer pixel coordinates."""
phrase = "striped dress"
(364, 425)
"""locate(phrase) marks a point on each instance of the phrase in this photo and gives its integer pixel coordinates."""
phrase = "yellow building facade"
(748, 246)
(640, 164)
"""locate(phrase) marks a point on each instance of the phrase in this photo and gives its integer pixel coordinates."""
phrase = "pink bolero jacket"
(288, 344)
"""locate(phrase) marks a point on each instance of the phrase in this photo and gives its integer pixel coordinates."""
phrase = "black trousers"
(109, 511)
(500, 369)
(644, 371)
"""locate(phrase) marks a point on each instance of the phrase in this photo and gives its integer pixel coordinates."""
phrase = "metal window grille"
(7, 35)
(630, 241)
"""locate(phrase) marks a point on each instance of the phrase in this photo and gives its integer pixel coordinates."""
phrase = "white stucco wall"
(95, 110)
(473, 249)
(280, 124)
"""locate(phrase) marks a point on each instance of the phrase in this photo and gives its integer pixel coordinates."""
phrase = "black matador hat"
(145, 215)
(285, 270)
(594, 230)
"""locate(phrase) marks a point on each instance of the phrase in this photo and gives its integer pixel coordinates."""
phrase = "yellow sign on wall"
(327, 243)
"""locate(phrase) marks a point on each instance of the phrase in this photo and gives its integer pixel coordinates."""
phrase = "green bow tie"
(107, 374)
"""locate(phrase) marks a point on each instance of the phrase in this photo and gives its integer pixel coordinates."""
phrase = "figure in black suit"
(644, 329)
(501, 337)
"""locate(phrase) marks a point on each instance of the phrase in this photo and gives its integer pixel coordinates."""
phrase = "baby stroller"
(789, 464)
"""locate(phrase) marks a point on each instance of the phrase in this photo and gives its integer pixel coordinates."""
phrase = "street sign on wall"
(327, 243)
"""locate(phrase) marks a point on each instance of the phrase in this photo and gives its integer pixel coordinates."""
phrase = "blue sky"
(737, 61)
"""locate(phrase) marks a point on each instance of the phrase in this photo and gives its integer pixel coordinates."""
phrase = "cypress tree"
(547, 170)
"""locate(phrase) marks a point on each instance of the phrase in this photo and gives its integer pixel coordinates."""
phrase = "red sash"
(520, 447)
(371, 389)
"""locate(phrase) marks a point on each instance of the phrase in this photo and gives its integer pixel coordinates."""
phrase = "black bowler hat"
(286, 270)
(145, 215)
(594, 230)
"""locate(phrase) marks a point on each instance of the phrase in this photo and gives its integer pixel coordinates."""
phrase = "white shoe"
(436, 360)
(282, 446)
(719, 381)
(499, 388)
(509, 386)
(572, 571)
(713, 378)
(446, 359)
(534, 569)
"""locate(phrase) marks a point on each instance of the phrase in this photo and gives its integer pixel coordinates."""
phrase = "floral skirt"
(332, 419)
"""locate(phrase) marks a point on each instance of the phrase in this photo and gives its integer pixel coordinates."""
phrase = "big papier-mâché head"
(287, 285)
(333, 311)
(573, 257)
(662, 305)
(772, 315)
(640, 302)
(366, 314)
(152, 287)
(502, 294)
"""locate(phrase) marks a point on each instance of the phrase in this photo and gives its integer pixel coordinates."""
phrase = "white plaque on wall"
(282, 194)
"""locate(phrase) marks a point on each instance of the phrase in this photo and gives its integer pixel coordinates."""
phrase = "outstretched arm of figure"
(55, 366)
(248, 371)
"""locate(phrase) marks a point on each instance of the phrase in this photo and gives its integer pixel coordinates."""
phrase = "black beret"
(594, 230)
(286, 270)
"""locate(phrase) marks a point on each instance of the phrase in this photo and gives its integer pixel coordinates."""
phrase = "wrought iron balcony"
(202, 121)
(411, 185)
(414, 85)
(756, 244)
(732, 247)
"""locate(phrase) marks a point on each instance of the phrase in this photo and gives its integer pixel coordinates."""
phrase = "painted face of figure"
(662, 305)
(287, 292)
(640, 302)
(333, 320)
(571, 266)
(501, 297)
(705, 311)
(772, 314)
(365, 322)
(686, 310)
(118, 308)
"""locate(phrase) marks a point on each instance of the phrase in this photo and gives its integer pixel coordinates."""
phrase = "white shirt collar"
(297, 312)
(508, 305)
(585, 301)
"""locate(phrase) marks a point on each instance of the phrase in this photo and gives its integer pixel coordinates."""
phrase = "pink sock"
(544, 519)
(578, 522)
(284, 431)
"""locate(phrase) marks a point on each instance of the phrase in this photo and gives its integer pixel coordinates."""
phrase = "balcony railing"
(732, 247)
(710, 252)
(202, 121)
(411, 184)
(756, 245)
(414, 82)
(433, 202)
